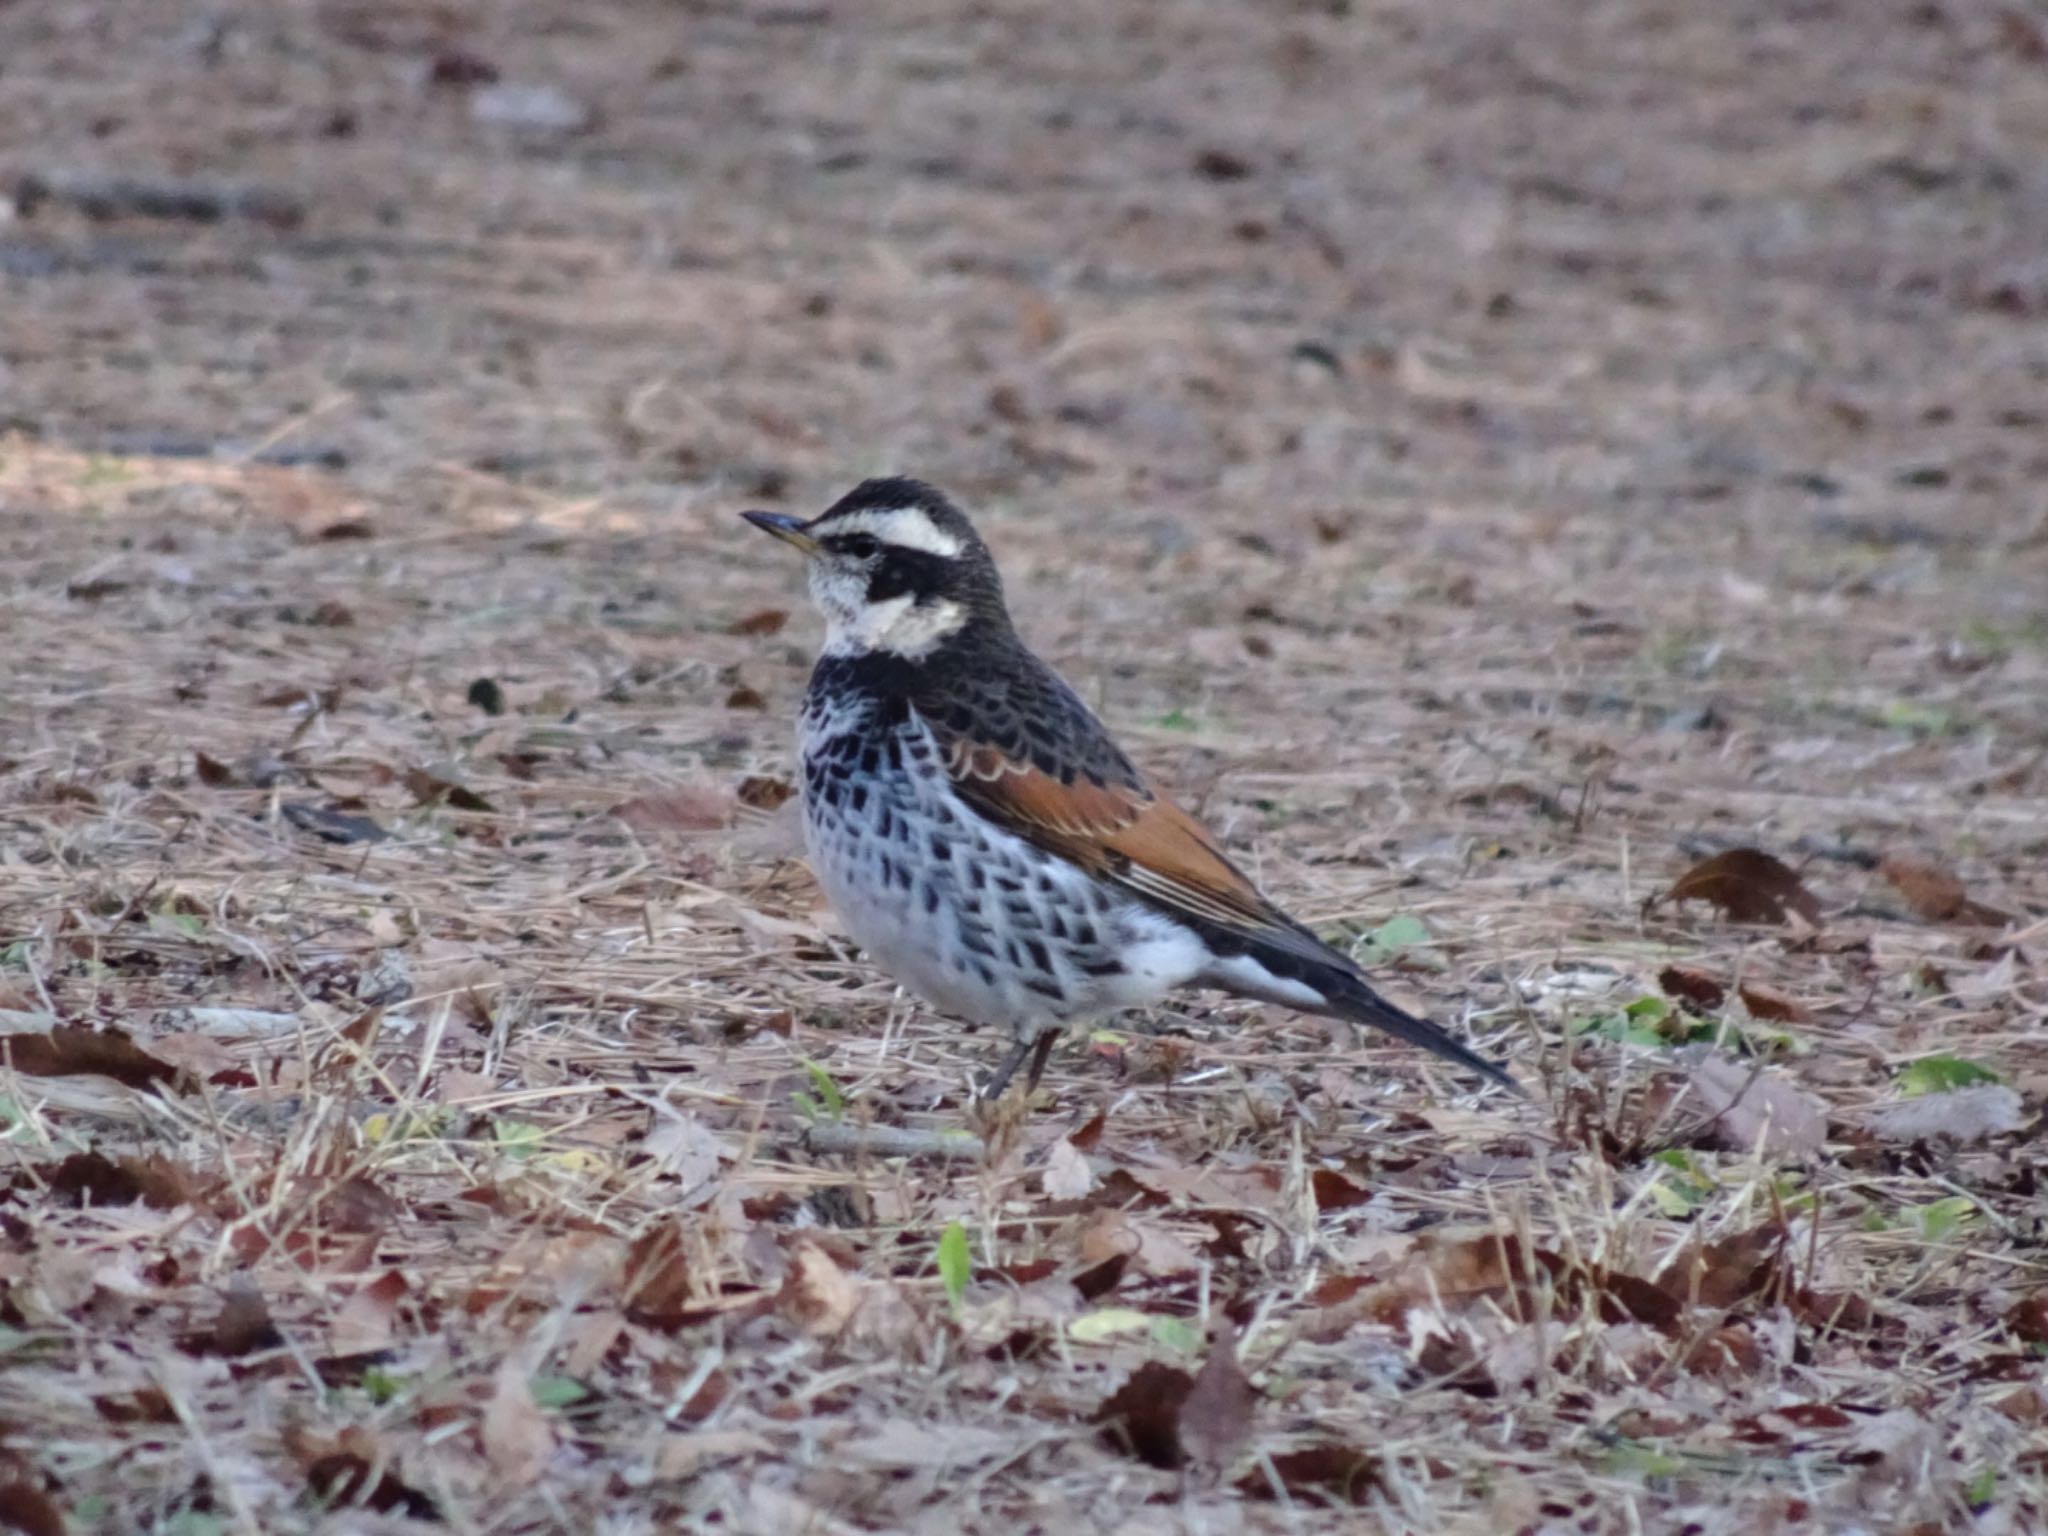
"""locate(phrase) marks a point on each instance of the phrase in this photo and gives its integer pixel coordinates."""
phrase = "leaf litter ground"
(1580, 550)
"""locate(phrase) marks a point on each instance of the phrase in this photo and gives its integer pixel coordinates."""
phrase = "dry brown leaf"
(1749, 886)
(685, 1146)
(1145, 1242)
(340, 1469)
(1334, 1192)
(368, 1320)
(1936, 892)
(441, 786)
(24, 1507)
(1770, 1004)
(763, 793)
(1142, 1417)
(358, 1204)
(1691, 984)
(1318, 1473)
(1727, 1271)
(692, 808)
(654, 1283)
(517, 1438)
(68, 1050)
(242, 1326)
(682, 1456)
(762, 621)
(1750, 1109)
(817, 1295)
(92, 1178)
(1216, 1415)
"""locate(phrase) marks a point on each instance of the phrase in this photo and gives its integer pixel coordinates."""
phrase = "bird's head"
(894, 567)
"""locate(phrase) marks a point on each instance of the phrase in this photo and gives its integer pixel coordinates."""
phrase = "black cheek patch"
(898, 571)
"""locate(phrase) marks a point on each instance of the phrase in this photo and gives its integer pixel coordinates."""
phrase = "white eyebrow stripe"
(910, 527)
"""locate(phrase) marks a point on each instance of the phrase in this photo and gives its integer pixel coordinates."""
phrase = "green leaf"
(828, 1091)
(1177, 720)
(956, 1264)
(1939, 1219)
(519, 1139)
(15, 956)
(1942, 1074)
(1631, 1458)
(557, 1392)
(1402, 931)
(1178, 1334)
(381, 1386)
(1982, 1487)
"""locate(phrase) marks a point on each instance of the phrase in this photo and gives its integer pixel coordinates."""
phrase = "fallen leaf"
(765, 794)
(1936, 892)
(1334, 1192)
(817, 1295)
(1727, 1271)
(1329, 1471)
(357, 1204)
(1146, 1243)
(145, 1405)
(24, 1507)
(1216, 1415)
(517, 1437)
(1750, 1109)
(683, 1456)
(1968, 1114)
(1067, 1175)
(439, 786)
(1694, 986)
(69, 1050)
(685, 1146)
(763, 621)
(698, 808)
(212, 770)
(1770, 1004)
(242, 1327)
(655, 1280)
(2028, 1318)
(368, 1320)
(92, 1178)
(1142, 1417)
(352, 1470)
(1749, 886)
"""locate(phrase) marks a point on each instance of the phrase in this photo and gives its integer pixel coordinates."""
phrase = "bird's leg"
(993, 1088)
(1040, 1051)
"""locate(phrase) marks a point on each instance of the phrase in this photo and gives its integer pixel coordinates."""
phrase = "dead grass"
(1487, 467)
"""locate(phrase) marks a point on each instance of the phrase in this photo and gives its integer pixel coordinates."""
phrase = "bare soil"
(1489, 460)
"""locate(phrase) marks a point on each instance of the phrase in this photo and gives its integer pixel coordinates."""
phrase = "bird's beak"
(786, 528)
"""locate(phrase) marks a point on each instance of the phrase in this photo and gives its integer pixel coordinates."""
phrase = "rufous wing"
(1123, 833)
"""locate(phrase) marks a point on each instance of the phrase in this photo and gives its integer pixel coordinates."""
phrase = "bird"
(980, 833)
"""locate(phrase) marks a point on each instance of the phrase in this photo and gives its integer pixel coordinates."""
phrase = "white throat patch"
(908, 527)
(897, 625)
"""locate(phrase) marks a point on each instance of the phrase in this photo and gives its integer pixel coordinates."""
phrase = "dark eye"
(858, 545)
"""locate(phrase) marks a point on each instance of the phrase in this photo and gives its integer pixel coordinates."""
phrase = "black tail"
(1349, 997)
(1279, 967)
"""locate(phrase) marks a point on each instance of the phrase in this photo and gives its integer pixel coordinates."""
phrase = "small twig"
(892, 1141)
